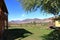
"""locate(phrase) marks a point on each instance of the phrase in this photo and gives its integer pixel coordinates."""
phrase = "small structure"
(56, 23)
(3, 17)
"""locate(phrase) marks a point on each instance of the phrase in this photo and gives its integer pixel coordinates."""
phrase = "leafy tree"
(34, 23)
(48, 6)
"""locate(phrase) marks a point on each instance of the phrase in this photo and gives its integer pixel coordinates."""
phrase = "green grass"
(38, 31)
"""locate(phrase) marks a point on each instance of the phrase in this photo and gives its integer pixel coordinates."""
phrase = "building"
(56, 23)
(3, 17)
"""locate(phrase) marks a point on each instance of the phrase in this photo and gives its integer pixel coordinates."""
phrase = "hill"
(36, 20)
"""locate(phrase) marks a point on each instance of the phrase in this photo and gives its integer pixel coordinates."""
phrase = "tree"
(48, 6)
(34, 23)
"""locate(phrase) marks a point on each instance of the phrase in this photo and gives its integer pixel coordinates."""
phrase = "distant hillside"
(30, 21)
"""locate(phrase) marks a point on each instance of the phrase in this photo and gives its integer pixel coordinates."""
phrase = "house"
(3, 17)
(56, 23)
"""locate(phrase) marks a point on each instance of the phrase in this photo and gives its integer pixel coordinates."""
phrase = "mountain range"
(36, 20)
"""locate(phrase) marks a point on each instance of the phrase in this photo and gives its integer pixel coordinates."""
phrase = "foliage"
(34, 23)
(49, 6)
(54, 35)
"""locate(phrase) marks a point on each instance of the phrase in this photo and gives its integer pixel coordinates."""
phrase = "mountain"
(30, 21)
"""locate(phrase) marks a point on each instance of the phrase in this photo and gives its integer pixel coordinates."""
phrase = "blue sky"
(16, 12)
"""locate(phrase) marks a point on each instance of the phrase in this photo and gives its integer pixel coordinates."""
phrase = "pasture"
(32, 32)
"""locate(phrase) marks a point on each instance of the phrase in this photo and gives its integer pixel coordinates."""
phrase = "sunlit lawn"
(37, 30)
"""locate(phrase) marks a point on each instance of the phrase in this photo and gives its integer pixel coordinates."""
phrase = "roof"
(56, 18)
(3, 6)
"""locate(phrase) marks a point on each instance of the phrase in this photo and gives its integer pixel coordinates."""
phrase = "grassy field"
(39, 32)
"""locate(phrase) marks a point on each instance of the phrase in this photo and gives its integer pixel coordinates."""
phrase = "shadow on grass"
(12, 34)
(54, 35)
